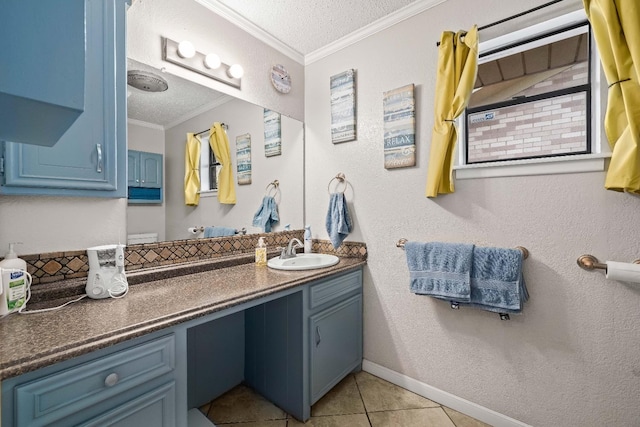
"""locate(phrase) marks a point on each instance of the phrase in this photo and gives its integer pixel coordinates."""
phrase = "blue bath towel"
(267, 214)
(497, 283)
(218, 232)
(441, 270)
(338, 220)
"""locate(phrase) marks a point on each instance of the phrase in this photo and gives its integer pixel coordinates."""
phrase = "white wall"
(50, 224)
(143, 218)
(571, 359)
(241, 117)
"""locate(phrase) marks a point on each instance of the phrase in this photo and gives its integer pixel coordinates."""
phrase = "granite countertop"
(157, 299)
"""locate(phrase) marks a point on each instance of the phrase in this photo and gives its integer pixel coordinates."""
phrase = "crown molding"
(354, 37)
(218, 102)
(373, 28)
(251, 28)
(145, 124)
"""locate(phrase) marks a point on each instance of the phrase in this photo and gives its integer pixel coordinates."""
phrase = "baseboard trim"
(442, 397)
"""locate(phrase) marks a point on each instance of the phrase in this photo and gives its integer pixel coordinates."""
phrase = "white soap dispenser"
(14, 282)
(308, 242)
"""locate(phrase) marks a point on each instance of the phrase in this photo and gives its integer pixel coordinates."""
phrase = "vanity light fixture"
(186, 49)
(235, 71)
(208, 65)
(212, 61)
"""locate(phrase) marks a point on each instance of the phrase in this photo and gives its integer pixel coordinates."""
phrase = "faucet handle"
(283, 252)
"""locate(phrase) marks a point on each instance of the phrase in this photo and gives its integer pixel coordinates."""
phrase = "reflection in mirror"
(159, 123)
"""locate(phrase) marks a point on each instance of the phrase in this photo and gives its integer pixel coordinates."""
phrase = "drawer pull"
(318, 336)
(111, 380)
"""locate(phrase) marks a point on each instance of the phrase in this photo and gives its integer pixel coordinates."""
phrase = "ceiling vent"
(146, 81)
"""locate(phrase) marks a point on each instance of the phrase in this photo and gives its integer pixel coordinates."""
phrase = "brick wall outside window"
(542, 128)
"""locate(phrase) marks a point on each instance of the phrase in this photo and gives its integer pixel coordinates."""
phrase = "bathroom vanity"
(173, 344)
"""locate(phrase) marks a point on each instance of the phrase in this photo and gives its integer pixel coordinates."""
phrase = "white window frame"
(204, 167)
(600, 151)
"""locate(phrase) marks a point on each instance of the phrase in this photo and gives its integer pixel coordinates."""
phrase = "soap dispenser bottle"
(14, 282)
(261, 252)
(308, 243)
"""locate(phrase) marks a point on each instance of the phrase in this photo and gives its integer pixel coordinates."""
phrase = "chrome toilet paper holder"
(589, 262)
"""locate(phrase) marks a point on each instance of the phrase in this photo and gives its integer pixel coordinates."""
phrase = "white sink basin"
(304, 262)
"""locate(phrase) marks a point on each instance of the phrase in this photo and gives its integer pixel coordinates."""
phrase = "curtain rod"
(517, 15)
(224, 126)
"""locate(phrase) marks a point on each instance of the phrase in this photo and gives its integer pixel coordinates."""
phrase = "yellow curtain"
(616, 27)
(457, 69)
(220, 146)
(192, 171)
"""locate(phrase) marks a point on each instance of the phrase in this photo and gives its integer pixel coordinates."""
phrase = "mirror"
(63, 223)
(159, 122)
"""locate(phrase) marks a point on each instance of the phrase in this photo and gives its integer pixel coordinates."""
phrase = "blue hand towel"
(441, 270)
(497, 283)
(218, 232)
(338, 221)
(267, 214)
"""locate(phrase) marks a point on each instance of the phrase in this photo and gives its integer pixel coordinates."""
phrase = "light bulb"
(236, 71)
(212, 61)
(186, 49)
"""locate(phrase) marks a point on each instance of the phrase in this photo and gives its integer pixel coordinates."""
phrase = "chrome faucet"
(290, 250)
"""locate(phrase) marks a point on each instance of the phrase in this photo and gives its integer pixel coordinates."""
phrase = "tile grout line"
(362, 400)
(448, 416)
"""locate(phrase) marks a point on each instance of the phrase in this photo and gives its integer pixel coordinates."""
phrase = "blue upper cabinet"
(41, 78)
(90, 157)
(144, 173)
(145, 169)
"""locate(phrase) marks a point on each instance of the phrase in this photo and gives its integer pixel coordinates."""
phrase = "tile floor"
(360, 400)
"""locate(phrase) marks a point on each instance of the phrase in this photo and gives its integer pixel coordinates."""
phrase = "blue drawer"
(334, 289)
(49, 399)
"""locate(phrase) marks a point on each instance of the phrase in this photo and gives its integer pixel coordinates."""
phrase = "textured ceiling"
(179, 102)
(308, 25)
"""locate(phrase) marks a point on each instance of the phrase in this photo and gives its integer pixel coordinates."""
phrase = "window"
(533, 101)
(209, 167)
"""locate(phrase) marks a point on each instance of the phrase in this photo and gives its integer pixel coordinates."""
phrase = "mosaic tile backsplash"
(56, 266)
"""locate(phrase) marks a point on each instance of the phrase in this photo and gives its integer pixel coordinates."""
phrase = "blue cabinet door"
(336, 344)
(144, 177)
(133, 168)
(150, 170)
(39, 103)
(90, 158)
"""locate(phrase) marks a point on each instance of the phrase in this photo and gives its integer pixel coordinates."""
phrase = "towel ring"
(341, 178)
(275, 184)
(274, 187)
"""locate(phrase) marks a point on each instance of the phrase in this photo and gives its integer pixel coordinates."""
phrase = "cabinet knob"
(111, 380)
